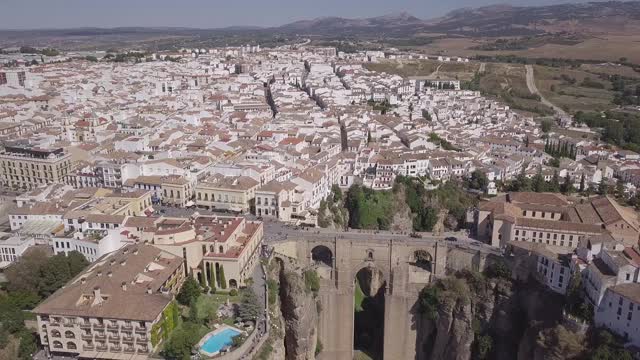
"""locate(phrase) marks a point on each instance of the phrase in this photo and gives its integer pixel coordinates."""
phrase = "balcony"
(141, 330)
(115, 348)
(54, 323)
(127, 326)
(98, 326)
(113, 327)
(85, 325)
(88, 347)
(130, 350)
(143, 350)
(114, 337)
(102, 348)
(127, 339)
(86, 337)
(70, 324)
(100, 335)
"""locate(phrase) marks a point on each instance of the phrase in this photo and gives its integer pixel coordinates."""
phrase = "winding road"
(531, 84)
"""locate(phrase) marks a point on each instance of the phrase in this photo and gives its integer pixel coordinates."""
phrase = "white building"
(91, 244)
(620, 312)
(12, 246)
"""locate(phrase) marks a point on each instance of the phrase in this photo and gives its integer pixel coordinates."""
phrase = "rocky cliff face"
(297, 319)
(299, 312)
(469, 311)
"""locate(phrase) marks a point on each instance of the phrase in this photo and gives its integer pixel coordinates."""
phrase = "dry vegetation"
(508, 83)
(445, 70)
(566, 88)
(610, 48)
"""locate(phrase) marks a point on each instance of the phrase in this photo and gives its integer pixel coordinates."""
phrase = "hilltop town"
(175, 169)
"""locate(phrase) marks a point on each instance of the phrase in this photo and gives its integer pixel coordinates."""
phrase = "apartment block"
(25, 166)
(115, 308)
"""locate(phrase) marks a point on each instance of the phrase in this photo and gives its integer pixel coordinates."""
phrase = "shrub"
(312, 281)
(189, 292)
(233, 292)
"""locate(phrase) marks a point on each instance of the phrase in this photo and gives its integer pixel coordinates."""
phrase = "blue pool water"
(218, 341)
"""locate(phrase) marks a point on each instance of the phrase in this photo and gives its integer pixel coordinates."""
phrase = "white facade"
(92, 245)
(620, 312)
(555, 274)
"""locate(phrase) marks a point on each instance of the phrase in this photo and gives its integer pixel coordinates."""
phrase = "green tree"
(27, 347)
(249, 307)
(498, 270)
(521, 182)
(336, 192)
(603, 187)
(312, 281)
(478, 180)
(484, 344)
(223, 279)
(620, 189)
(545, 125)
(194, 315)
(567, 185)
(554, 184)
(212, 277)
(189, 292)
(428, 301)
(181, 342)
(537, 183)
(582, 183)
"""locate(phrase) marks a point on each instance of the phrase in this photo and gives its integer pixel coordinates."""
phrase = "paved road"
(275, 231)
(531, 84)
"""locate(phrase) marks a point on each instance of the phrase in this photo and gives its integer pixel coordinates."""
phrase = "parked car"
(451, 238)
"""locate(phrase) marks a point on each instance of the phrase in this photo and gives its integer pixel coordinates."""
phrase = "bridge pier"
(396, 261)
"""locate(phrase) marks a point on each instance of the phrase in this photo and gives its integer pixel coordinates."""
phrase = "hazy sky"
(29, 14)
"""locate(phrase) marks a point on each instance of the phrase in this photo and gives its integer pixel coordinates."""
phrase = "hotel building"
(116, 308)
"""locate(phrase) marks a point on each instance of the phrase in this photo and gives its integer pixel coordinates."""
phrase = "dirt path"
(435, 73)
(531, 84)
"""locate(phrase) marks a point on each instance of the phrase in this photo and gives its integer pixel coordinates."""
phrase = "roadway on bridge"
(275, 231)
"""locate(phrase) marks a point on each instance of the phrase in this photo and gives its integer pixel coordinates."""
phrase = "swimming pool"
(219, 340)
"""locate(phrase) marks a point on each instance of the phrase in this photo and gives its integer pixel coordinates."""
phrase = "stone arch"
(57, 344)
(71, 346)
(322, 254)
(233, 284)
(422, 259)
(69, 334)
(370, 291)
(55, 333)
(372, 267)
(221, 249)
(212, 249)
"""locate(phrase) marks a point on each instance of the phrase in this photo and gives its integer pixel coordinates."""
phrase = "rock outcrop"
(297, 318)
(468, 309)
(299, 312)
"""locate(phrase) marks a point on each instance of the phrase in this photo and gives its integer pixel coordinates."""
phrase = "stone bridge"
(405, 264)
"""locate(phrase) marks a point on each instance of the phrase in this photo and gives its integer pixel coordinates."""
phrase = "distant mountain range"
(591, 19)
(494, 20)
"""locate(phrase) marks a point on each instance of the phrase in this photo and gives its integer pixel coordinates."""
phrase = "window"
(517, 232)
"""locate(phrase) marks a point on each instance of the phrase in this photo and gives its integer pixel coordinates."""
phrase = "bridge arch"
(369, 301)
(322, 254)
(422, 259)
